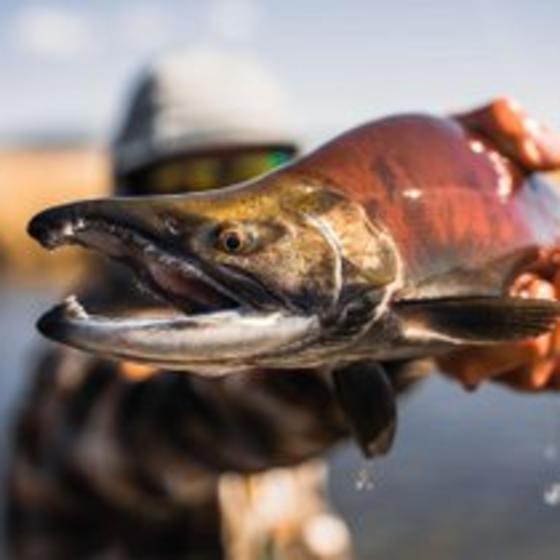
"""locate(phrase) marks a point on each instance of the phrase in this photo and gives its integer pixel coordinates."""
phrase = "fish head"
(261, 273)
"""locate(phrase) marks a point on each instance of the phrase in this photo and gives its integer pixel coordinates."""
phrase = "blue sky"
(66, 65)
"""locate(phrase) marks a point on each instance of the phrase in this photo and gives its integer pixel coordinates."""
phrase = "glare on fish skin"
(497, 161)
(413, 194)
(476, 146)
(505, 185)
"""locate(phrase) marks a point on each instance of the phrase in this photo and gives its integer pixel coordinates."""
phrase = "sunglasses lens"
(213, 172)
(186, 175)
(246, 166)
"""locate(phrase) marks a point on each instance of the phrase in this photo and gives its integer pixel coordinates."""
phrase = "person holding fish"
(409, 238)
(156, 463)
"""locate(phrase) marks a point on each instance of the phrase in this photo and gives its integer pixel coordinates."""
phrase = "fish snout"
(54, 226)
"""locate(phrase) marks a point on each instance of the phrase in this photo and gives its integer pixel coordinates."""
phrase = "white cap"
(196, 100)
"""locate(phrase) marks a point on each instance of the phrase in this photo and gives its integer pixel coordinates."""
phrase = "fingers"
(541, 371)
(529, 379)
(514, 133)
(532, 285)
(554, 381)
(535, 145)
(546, 377)
(532, 365)
(473, 365)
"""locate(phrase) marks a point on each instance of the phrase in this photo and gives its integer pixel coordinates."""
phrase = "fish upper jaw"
(180, 279)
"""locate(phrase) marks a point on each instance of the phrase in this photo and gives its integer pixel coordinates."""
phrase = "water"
(365, 477)
(466, 479)
(551, 493)
(18, 341)
(551, 453)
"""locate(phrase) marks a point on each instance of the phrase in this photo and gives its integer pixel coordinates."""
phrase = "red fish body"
(453, 201)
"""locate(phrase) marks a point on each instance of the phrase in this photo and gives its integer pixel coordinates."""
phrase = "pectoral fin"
(368, 401)
(477, 320)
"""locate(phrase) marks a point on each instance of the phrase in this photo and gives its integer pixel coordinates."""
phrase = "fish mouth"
(203, 321)
(181, 281)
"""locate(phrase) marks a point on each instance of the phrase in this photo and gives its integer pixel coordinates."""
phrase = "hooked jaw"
(207, 324)
(118, 229)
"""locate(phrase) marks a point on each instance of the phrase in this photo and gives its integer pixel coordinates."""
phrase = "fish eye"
(234, 240)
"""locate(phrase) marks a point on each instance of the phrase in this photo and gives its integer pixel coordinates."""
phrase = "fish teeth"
(67, 230)
(74, 309)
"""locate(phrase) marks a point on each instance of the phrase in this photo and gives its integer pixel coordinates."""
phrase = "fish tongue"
(187, 291)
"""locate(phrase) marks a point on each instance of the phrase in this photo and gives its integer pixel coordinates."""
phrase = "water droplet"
(551, 494)
(551, 452)
(365, 478)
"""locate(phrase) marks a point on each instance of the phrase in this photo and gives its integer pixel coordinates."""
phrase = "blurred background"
(471, 473)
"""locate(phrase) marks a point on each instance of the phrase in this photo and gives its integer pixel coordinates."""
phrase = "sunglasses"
(207, 172)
